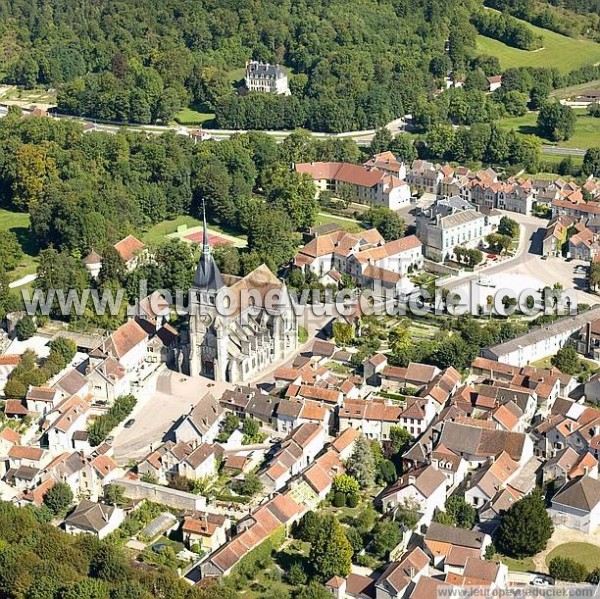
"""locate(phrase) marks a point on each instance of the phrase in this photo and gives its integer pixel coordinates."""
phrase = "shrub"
(339, 499)
(352, 500)
(296, 574)
(25, 328)
(103, 425)
(565, 568)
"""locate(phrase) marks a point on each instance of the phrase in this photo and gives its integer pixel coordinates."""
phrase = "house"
(489, 479)
(201, 425)
(297, 451)
(568, 464)
(537, 344)
(577, 505)
(60, 424)
(354, 586)
(93, 264)
(450, 546)
(266, 78)
(453, 222)
(202, 462)
(583, 245)
(8, 362)
(127, 345)
(453, 466)
(41, 400)
(107, 380)
(374, 418)
(494, 83)
(424, 175)
(480, 573)
(130, 249)
(373, 187)
(345, 442)
(278, 513)
(208, 531)
(321, 474)
(415, 375)
(93, 518)
(399, 578)
(425, 486)
(388, 163)
(476, 444)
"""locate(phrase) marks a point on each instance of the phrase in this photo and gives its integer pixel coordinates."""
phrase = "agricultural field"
(587, 129)
(564, 53)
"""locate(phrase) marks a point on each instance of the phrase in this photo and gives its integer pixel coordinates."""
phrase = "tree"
(556, 121)
(386, 472)
(408, 512)
(308, 527)
(113, 267)
(509, 227)
(249, 486)
(343, 333)
(525, 528)
(453, 351)
(382, 140)
(339, 499)
(115, 494)
(355, 539)
(251, 430)
(313, 590)
(25, 328)
(403, 148)
(498, 242)
(462, 513)
(385, 536)
(230, 423)
(591, 162)
(63, 347)
(58, 498)
(346, 484)
(361, 464)
(565, 568)
(296, 574)
(399, 439)
(10, 250)
(386, 221)
(330, 551)
(567, 360)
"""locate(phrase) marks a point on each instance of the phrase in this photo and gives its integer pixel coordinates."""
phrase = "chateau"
(242, 336)
(266, 78)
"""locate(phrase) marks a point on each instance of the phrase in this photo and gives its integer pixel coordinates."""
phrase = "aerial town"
(254, 343)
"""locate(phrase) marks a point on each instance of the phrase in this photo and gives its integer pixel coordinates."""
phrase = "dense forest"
(353, 65)
(38, 561)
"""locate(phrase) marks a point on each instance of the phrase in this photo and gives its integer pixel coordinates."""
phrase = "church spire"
(208, 275)
(205, 245)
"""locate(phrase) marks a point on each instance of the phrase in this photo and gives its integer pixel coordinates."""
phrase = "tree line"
(506, 29)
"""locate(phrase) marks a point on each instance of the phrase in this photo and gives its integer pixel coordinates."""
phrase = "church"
(238, 326)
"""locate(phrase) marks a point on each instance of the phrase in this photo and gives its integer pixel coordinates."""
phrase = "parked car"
(130, 423)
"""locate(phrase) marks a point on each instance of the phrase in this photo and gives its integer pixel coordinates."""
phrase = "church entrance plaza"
(156, 412)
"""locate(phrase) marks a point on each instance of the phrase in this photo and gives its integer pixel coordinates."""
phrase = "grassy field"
(345, 223)
(194, 115)
(559, 51)
(584, 553)
(18, 223)
(587, 129)
(517, 565)
(575, 90)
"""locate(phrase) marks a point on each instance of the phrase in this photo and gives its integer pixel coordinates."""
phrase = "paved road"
(563, 151)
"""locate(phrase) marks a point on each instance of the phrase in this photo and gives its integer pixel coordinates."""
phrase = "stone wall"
(135, 489)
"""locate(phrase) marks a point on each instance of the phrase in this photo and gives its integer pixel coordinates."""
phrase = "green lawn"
(157, 233)
(194, 115)
(517, 565)
(559, 51)
(18, 223)
(346, 224)
(586, 135)
(584, 553)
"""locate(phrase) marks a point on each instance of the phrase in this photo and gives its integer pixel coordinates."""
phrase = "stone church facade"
(238, 326)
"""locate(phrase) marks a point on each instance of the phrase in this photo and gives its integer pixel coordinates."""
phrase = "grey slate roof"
(90, 516)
